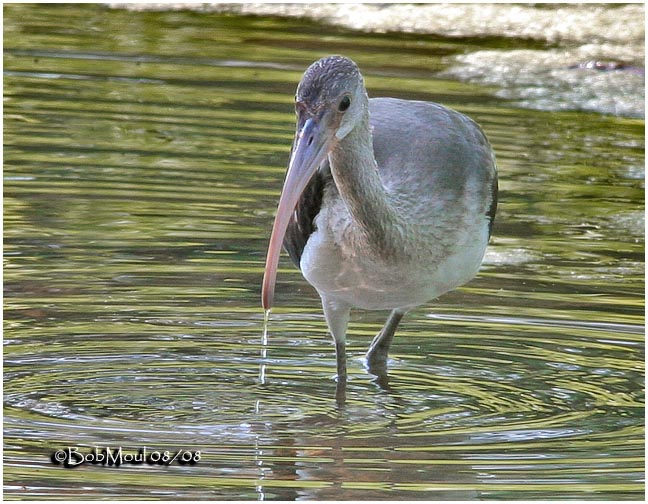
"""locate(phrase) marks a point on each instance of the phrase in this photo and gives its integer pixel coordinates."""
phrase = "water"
(536, 56)
(144, 156)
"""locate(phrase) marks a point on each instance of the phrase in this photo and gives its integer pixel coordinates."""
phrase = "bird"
(386, 204)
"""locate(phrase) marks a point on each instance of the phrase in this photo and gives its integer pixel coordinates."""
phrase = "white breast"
(338, 270)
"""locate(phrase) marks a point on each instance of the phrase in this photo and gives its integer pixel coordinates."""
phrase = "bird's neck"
(376, 221)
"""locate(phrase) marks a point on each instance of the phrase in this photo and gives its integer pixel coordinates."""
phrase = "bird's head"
(332, 94)
(330, 101)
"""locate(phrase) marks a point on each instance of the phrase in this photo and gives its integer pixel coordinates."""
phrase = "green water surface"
(143, 158)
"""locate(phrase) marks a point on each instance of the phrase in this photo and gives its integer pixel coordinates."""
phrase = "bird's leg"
(379, 348)
(337, 318)
(340, 356)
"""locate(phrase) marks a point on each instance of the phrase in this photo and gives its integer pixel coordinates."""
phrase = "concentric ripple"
(510, 408)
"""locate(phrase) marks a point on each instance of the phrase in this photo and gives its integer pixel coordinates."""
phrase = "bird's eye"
(345, 103)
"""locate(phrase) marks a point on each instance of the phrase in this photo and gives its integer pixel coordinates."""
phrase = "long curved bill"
(310, 148)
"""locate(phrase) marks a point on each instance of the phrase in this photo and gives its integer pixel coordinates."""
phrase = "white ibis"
(387, 203)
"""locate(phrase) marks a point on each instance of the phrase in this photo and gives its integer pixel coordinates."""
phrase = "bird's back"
(429, 155)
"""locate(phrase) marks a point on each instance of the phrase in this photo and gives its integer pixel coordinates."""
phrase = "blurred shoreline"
(550, 22)
(591, 56)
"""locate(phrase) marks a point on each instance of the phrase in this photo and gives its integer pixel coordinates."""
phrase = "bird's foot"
(376, 360)
(376, 364)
